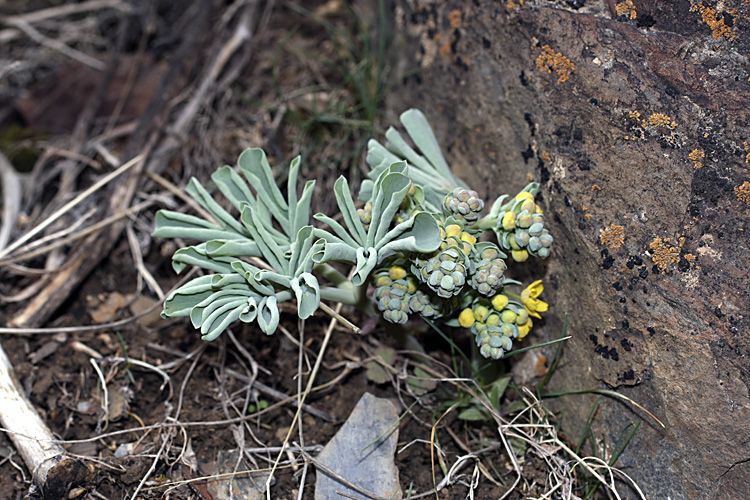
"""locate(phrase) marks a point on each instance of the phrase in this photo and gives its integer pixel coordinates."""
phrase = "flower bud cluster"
(446, 271)
(520, 229)
(495, 323)
(365, 215)
(393, 291)
(464, 204)
(489, 271)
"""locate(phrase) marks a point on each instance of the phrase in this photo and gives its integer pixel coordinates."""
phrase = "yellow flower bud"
(499, 302)
(466, 318)
(529, 206)
(524, 195)
(493, 319)
(452, 230)
(480, 312)
(523, 317)
(509, 221)
(397, 273)
(508, 316)
(412, 285)
(519, 255)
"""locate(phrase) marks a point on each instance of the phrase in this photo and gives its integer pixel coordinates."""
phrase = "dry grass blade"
(11, 188)
(72, 203)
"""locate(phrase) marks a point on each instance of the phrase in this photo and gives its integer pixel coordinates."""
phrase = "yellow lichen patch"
(661, 120)
(613, 236)
(635, 116)
(626, 8)
(510, 4)
(663, 253)
(714, 20)
(550, 61)
(689, 257)
(595, 187)
(697, 155)
(743, 192)
(747, 150)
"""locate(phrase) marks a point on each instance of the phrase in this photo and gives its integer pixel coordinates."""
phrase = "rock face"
(637, 126)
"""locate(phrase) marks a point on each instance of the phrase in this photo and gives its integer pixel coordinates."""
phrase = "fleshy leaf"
(198, 256)
(171, 224)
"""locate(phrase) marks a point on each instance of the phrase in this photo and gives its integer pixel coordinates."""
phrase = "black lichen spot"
(718, 312)
(575, 4)
(613, 354)
(567, 201)
(655, 269)
(528, 154)
(617, 286)
(529, 122)
(578, 134)
(544, 176)
(633, 260)
(594, 339)
(683, 265)
(651, 331)
(626, 344)
(585, 164)
(608, 262)
(486, 42)
(629, 375)
(625, 324)
(644, 273)
(645, 21)
(602, 351)
(524, 80)
(594, 101)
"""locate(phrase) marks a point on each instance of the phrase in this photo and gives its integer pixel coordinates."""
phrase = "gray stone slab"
(362, 452)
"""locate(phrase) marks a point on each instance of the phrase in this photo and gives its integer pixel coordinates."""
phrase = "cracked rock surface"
(637, 126)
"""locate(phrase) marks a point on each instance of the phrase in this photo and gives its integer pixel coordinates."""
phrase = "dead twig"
(53, 471)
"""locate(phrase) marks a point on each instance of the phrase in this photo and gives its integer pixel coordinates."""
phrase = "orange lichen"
(445, 49)
(663, 253)
(635, 115)
(626, 8)
(697, 155)
(662, 120)
(747, 150)
(743, 192)
(546, 156)
(455, 18)
(510, 4)
(595, 187)
(689, 257)
(613, 236)
(714, 20)
(550, 61)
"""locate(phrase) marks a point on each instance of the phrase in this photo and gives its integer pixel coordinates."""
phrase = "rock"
(362, 452)
(639, 132)
(247, 486)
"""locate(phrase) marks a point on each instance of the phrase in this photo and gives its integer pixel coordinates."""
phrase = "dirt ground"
(309, 81)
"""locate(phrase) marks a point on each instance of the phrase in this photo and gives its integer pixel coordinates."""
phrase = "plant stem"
(333, 275)
(349, 297)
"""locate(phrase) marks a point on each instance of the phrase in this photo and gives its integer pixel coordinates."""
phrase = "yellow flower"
(530, 301)
(523, 330)
(466, 318)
